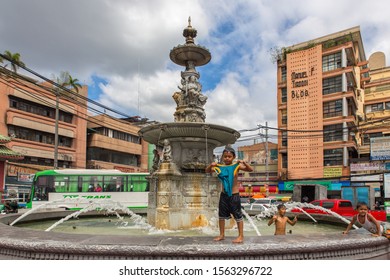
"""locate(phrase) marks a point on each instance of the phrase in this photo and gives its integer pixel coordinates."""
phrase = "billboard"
(380, 148)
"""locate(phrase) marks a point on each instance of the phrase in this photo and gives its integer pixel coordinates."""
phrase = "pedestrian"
(229, 201)
(99, 188)
(281, 220)
(366, 220)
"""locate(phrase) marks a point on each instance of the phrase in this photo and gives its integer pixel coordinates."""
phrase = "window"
(328, 204)
(38, 109)
(284, 95)
(333, 109)
(345, 204)
(284, 117)
(331, 62)
(331, 85)
(333, 157)
(368, 136)
(38, 136)
(284, 161)
(333, 133)
(284, 138)
(375, 107)
(284, 73)
(118, 135)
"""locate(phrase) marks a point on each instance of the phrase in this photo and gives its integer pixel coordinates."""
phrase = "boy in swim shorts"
(229, 201)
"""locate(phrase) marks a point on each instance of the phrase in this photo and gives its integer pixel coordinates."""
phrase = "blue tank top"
(226, 174)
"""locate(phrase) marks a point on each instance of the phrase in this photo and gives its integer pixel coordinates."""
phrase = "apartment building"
(264, 178)
(28, 117)
(115, 144)
(374, 131)
(320, 98)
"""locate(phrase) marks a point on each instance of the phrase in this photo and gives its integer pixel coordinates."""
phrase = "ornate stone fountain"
(181, 195)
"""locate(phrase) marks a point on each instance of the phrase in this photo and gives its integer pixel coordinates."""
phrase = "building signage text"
(299, 80)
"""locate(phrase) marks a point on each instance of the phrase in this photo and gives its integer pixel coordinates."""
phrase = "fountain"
(181, 196)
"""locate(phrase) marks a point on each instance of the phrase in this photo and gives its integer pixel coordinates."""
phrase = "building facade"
(28, 116)
(263, 180)
(115, 144)
(320, 97)
(373, 162)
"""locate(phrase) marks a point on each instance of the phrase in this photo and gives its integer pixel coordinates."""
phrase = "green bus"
(74, 188)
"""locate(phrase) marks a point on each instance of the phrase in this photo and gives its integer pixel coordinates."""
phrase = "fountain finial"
(189, 33)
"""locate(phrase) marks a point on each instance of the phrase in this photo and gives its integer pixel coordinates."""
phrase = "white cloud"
(127, 43)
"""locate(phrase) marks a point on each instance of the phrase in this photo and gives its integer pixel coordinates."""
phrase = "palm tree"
(14, 58)
(73, 84)
(67, 81)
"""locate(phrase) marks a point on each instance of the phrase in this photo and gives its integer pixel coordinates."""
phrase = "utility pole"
(57, 93)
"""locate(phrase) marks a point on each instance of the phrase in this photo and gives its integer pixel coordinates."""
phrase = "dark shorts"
(230, 205)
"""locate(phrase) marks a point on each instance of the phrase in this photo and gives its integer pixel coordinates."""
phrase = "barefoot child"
(229, 201)
(366, 220)
(280, 220)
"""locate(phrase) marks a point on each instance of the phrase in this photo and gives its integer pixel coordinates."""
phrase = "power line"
(63, 88)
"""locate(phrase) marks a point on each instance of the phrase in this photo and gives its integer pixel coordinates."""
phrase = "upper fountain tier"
(182, 54)
(190, 100)
(189, 141)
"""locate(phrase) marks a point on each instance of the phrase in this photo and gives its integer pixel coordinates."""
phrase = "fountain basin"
(22, 243)
(216, 134)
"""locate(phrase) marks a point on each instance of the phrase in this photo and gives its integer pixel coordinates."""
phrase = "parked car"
(342, 207)
(267, 202)
(257, 206)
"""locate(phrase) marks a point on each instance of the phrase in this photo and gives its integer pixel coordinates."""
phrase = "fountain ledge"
(21, 243)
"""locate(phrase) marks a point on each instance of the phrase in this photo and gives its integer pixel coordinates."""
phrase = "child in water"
(229, 201)
(366, 220)
(281, 220)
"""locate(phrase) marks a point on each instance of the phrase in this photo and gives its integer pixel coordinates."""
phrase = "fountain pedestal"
(182, 201)
(181, 195)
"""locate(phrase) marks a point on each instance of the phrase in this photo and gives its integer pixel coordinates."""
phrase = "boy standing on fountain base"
(281, 220)
(229, 201)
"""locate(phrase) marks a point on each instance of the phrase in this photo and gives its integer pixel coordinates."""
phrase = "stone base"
(182, 202)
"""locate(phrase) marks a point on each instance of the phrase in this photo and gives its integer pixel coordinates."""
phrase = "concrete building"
(374, 131)
(28, 116)
(320, 98)
(115, 144)
(264, 178)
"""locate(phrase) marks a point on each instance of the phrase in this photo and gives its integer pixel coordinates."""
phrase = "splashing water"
(46, 205)
(251, 222)
(307, 214)
(300, 205)
(109, 206)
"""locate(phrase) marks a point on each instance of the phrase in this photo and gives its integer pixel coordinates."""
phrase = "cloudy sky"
(120, 48)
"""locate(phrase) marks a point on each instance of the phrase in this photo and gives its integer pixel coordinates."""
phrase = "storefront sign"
(23, 177)
(367, 166)
(380, 148)
(375, 178)
(333, 172)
